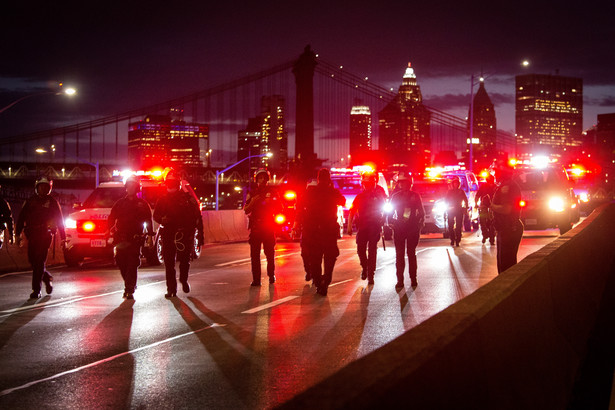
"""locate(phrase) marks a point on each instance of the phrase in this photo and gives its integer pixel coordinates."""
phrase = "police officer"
(6, 220)
(408, 217)
(126, 220)
(506, 210)
(484, 195)
(317, 216)
(179, 215)
(39, 219)
(367, 207)
(457, 205)
(261, 206)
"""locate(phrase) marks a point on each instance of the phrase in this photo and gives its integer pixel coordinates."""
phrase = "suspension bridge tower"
(303, 70)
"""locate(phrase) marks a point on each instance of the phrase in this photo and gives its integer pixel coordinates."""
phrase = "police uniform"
(409, 215)
(180, 217)
(6, 220)
(317, 214)
(455, 200)
(261, 206)
(508, 226)
(39, 219)
(368, 205)
(126, 220)
(485, 214)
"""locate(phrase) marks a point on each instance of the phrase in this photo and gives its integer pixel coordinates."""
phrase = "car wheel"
(158, 248)
(72, 258)
(196, 252)
(467, 224)
(564, 227)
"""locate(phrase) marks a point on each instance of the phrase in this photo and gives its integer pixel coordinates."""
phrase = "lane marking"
(38, 305)
(108, 359)
(246, 260)
(269, 305)
(339, 283)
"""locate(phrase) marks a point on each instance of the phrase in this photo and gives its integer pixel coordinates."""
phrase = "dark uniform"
(317, 215)
(178, 213)
(262, 204)
(125, 223)
(407, 224)
(484, 196)
(39, 219)
(368, 205)
(6, 221)
(457, 203)
(507, 223)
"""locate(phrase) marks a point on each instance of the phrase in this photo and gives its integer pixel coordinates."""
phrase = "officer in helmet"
(457, 205)
(126, 223)
(39, 219)
(262, 204)
(367, 212)
(506, 212)
(179, 215)
(6, 219)
(407, 220)
(484, 195)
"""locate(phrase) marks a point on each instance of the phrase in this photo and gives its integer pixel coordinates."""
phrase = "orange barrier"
(521, 341)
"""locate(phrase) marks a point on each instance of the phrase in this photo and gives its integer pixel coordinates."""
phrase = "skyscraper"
(404, 123)
(484, 131)
(160, 141)
(249, 143)
(360, 129)
(548, 113)
(274, 137)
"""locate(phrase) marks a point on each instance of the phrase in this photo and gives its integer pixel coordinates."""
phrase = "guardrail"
(540, 335)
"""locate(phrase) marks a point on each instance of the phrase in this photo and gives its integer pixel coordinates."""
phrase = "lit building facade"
(404, 123)
(548, 113)
(484, 130)
(274, 137)
(158, 140)
(360, 130)
(249, 143)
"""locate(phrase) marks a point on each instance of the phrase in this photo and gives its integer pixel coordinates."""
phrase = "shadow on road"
(17, 320)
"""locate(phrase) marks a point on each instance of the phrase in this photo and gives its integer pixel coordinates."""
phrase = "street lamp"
(218, 173)
(94, 164)
(70, 91)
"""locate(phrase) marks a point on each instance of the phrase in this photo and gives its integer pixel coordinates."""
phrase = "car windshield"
(537, 179)
(104, 197)
(430, 190)
(348, 185)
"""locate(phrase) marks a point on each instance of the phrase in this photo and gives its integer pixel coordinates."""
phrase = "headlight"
(439, 207)
(70, 223)
(584, 197)
(557, 204)
(387, 208)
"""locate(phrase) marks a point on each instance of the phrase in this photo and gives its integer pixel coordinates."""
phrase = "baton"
(384, 245)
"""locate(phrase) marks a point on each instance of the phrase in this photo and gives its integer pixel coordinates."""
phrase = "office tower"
(548, 113)
(159, 141)
(404, 123)
(274, 137)
(249, 143)
(484, 131)
(360, 129)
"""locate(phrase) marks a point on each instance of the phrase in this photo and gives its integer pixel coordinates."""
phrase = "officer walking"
(317, 218)
(408, 217)
(39, 219)
(178, 213)
(457, 204)
(367, 207)
(261, 206)
(506, 210)
(126, 221)
(484, 195)
(6, 220)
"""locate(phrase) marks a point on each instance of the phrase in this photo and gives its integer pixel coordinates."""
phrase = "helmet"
(454, 179)
(171, 176)
(404, 176)
(368, 177)
(133, 179)
(43, 180)
(261, 172)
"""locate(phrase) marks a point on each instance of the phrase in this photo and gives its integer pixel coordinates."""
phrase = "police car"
(548, 200)
(433, 192)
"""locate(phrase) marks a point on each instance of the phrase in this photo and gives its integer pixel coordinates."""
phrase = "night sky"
(127, 56)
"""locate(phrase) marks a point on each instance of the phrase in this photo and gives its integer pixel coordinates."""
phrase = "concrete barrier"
(520, 341)
(225, 226)
(15, 259)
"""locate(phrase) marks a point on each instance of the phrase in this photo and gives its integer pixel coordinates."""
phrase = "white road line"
(246, 260)
(108, 359)
(343, 281)
(269, 305)
(39, 305)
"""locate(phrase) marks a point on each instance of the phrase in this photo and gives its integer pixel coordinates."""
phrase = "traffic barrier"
(520, 341)
(225, 226)
(15, 259)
